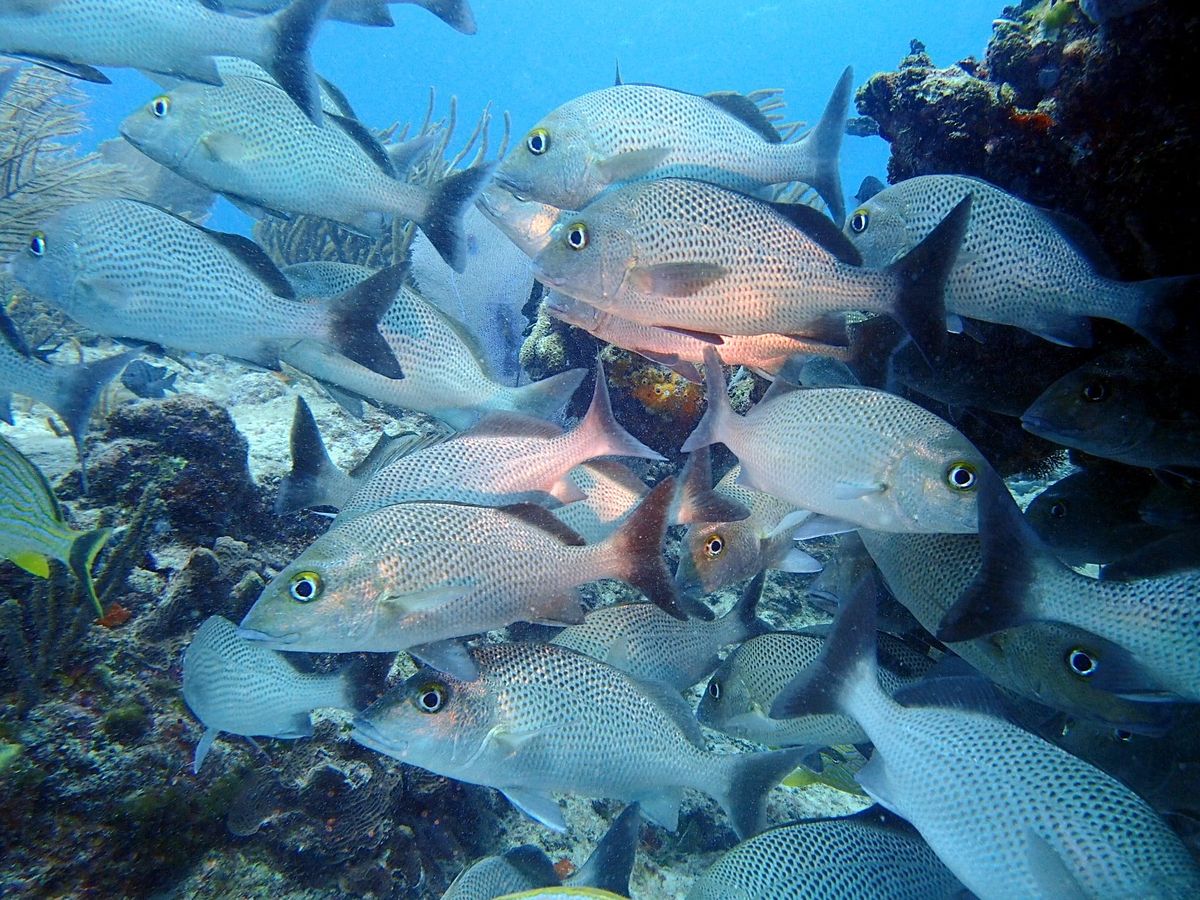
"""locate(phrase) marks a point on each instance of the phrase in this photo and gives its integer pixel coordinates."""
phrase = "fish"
(611, 491)
(455, 13)
(129, 270)
(1125, 405)
(247, 140)
(1155, 620)
(739, 695)
(858, 455)
(764, 354)
(445, 375)
(641, 252)
(503, 460)
(528, 726)
(1007, 812)
(638, 131)
(147, 381)
(33, 530)
(646, 643)
(169, 37)
(413, 575)
(1020, 265)
(525, 222)
(869, 854)
(70, 390)
(527, 867)
(241, 687)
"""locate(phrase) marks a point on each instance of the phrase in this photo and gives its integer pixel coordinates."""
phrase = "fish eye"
(160, 105)
(714, 689)
(538, 141)
(37, 243)
(305, 587)
(714, 546)
(577, 236)
(431, 697)
(860, 220)
(1094, 391)
(1082, 663)
(1058, 509)
(961, 476)
(1122, 735)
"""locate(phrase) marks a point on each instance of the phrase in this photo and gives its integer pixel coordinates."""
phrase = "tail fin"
(84, 550)
(599, 434)
(455, 13)
(355, 325)
(719, 410)
(826, 142)
(77, 391)
(611, 862)
(315, 480)
(358, 12)
(290, 62)
(635, 552)
(752, 776)
(442, 221)
(921, 279)
(546, 399)
(697, 501)
(1167, 317)
(743, 620)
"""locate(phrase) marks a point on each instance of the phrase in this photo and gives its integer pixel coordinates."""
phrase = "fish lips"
(365, 733)
(1043, 427)
(271, 640)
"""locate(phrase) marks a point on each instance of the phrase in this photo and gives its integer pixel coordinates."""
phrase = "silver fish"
(527, 223)
(611, 491)
(632, 131)
(529, 726)
(247, 140)
(130, 270)
(1018, 265)
(171, 37)
(241, 687)
(689, 255)
(854, 454)
(1008, 813)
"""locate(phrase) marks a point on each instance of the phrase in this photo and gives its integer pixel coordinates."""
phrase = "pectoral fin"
(424, 600)
(33, 563)
(676, 279)
(541, 807)
(632, 164)
(225, 147)
(853, 490)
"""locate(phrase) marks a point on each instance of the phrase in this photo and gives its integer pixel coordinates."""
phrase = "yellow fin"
(33, 563)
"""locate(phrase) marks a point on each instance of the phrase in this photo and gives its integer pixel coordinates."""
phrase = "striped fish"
(32, 528)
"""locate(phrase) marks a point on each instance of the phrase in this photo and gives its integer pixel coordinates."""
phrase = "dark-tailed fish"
(1155, 620)
(130, 270)
(505, 459)
(765, 354)
(413, 574)
(170, 37)
(1008, 813)
(738, 698)
(633, 131)
(147, 381)
(445, 373)
(855, 454)
(527, 867)
(870, 854)
(643, 641)
(541, 719)
(241, 687)
(70, 390)
(247, 140)
(32, 528)
(1127, 405)
(611, 491)
(689, 255)
(455, 13)
(1019, 265)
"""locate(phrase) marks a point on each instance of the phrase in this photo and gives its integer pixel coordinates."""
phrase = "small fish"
(1020, 265)
(247, 140)
(147, 381)
(636, 131)
(643, 641)
(33, 530)
(130, 270)
(1003, 807)
(414, 575)
(170, 37)
(739, 695)
(1128, 406)
(241, 687)
(854, 454)
(689, 255)
(455, 13)
(530, 725)
(869, 854)
(1156, 620)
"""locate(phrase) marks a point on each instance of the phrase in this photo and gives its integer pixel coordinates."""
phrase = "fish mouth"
(1042, 426)
(500, 179)
(373, 739)
(250, 634)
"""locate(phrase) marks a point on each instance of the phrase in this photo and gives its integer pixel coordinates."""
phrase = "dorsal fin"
(617, 77)
(541, 518)
(339, 99)
(8, 330)
(667, 699)
(254, 258)
(511, 424)
(745, 111)
(357, 132)
(820, 228)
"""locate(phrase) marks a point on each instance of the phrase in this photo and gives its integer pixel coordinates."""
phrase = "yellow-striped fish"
(32, 528)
